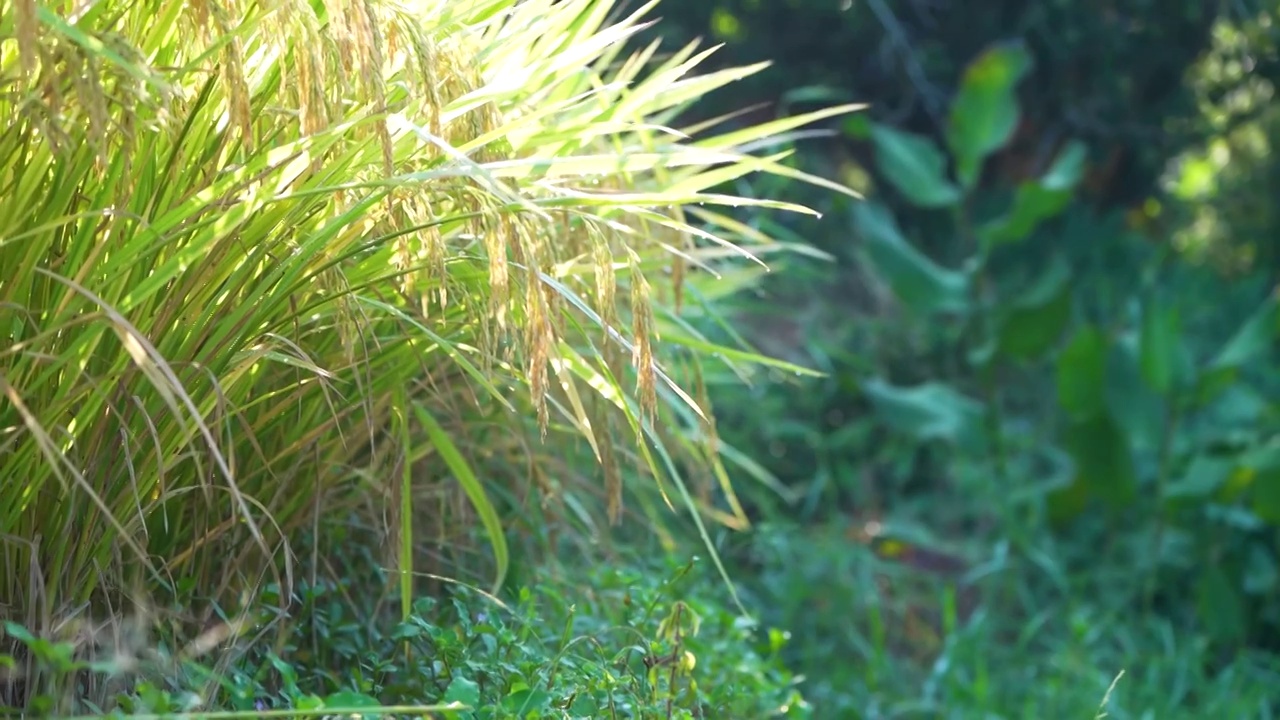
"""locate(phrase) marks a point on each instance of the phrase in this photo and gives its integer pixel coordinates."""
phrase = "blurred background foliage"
(1047, 445)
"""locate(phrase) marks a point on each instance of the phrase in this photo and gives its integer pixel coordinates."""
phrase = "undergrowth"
(639, 639)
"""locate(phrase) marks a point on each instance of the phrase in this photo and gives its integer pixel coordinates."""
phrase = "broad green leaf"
(527, 700)
(985, 111)
(1138, 408)
(1082, 374)
(1103, 459)
(1220, 607)
(915, 279)
(463, 690)
(915, 166)
(931, 411)
(1068, 503)
(1038, 318)
(1160, 346)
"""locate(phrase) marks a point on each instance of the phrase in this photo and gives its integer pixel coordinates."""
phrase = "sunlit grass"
(264, 264)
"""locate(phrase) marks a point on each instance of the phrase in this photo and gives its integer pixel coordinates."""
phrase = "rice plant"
(266, 263)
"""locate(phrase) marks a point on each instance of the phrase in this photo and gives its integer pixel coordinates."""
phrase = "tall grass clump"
(267, 264)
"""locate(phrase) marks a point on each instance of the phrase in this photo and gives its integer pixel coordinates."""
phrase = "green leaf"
(1254, 338)
(1160, 346)
(1220, 608)
(1082, 374)
(1261, 574)
(915, 166)
(1036, 201)
(1262, 466)
(1103, 459)
(1067, 169)
(985, 112)
(1202, 478)
(309, 702)
(524, 700)
(463, 690)
(1039, 317)
(931, 411)
(915, 279)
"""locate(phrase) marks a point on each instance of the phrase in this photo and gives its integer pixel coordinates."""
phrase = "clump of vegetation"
(637, 639)
(376, 272)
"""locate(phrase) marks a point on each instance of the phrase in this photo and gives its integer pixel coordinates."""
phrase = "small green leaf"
(914, 278)
(463, 690)
(985, 112)
(931, 411)
(1067, 169)
(915, 166)
(1039, 317)
(1082, 374)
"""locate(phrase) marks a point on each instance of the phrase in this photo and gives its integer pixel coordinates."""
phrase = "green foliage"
(1041, 428)
(627, 640)
(881, 633)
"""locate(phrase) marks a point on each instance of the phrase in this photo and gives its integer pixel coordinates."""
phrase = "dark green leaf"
(915, 279)
(915, 166)
(1039, 317)
(985, 112)
(1082, 374)
(1221, 609)
(1262, 466)
(1103, 459)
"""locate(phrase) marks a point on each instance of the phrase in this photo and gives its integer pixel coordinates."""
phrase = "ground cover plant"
(383, 275)
(648, 638)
